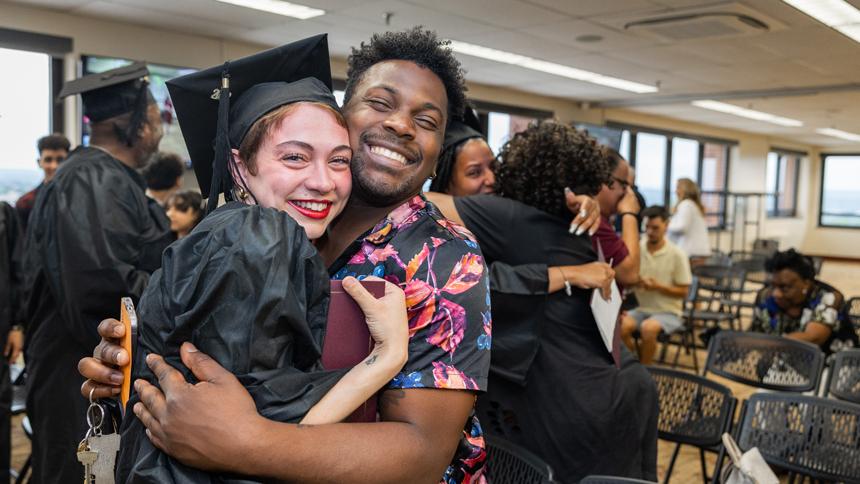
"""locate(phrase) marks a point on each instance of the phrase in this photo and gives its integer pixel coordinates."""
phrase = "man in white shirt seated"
(665, 279)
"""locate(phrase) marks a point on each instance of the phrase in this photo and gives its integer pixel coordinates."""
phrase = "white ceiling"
(796, 52)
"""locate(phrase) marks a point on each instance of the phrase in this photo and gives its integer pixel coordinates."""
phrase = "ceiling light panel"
(286, 9)
(838, 133)
(837, 14)
(549, 67)
(746, 113)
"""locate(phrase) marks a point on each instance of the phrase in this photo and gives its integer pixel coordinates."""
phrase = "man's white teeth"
(315, 206)
(378, 150)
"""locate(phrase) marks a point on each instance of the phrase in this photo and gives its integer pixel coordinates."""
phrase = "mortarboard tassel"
(220, 175)
(138, 115)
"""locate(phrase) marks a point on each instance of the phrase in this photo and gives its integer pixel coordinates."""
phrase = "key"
(107, 447)
(87, 458)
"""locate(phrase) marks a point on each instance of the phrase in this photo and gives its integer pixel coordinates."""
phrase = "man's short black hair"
(793, 261)
(55, 141)
(417, 45)
(614, 158)
(656, 211)
(163, 171)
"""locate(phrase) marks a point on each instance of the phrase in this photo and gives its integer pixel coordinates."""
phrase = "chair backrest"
(814, 436)
(844, 377)
(765, 361)
(722, 279)
(693, 410)
(508, 463)
(612, 480)
(752, 262)
(852, 311)
(765, 247)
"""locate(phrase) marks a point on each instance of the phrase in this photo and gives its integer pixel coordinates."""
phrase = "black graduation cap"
(254, 85)
(112, 93)
(460, 130)
(457, 132)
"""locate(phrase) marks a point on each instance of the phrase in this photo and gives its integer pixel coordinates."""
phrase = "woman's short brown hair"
(263, 127)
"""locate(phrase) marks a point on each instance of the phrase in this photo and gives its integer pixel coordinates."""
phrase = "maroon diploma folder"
(347, 340)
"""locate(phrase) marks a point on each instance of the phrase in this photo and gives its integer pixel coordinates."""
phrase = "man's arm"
(671, 290)
(627, 272)
(213, 425)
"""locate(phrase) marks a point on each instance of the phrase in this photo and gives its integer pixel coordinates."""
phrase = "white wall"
(746, 173)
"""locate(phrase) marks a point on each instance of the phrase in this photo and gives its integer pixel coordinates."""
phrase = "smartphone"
(128, 317)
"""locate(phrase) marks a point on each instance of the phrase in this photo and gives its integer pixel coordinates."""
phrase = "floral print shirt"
(439, 266)
(820, 307)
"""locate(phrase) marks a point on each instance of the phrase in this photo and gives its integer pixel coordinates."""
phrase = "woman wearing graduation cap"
(246, 286)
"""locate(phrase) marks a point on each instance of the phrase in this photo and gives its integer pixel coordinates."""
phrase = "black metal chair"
(693, 411)
(720, 291)
(765, 361)
(510, 464)
(685, 335)
(612, 480)
(843, 381)
(810, 436)
(752, 263)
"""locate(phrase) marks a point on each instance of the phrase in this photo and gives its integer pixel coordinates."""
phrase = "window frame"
(773, 210)
(702, 140)
(821, 191)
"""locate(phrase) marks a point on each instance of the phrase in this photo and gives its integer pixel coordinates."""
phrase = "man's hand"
(100, 369)
(628, 202)
(650, 284)
(203, 425)
(14, 345)
(587, 212)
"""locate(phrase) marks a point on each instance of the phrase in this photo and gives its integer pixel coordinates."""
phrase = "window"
(662, 158)
(651, 167)
(781, 177)
(840, 200)
(172, 140)
(25, 98)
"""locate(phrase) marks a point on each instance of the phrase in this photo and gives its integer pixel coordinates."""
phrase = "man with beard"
(402, 89)
(94, 237)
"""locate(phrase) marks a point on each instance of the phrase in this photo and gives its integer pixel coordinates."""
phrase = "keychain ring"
(92, 421)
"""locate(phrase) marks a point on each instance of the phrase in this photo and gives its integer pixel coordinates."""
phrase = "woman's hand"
(594, 275)
(100, 369)
(587, 213)
(386, 318)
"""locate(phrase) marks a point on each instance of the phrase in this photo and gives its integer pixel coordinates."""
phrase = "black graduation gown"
(553, 388)
(93, 238)
(247, 288)
(10, 236)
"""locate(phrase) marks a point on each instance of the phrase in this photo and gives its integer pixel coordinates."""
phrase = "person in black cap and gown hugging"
(94, 237)
(246, 286)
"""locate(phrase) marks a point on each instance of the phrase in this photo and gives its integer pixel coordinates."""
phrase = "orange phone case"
(128, 317)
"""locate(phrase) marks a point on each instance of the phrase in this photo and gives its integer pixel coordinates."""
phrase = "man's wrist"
(622, 214)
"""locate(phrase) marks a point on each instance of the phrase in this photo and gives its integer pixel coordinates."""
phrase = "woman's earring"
(242, 194)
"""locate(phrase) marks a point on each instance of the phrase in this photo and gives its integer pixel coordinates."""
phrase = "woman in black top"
(574, 408)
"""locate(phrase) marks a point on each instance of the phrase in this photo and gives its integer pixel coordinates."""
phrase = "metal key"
(106, 448)
(87, 458)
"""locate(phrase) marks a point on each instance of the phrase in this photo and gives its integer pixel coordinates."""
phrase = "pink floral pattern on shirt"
(440, 268)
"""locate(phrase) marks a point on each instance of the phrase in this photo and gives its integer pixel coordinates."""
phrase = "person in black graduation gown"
(247, 286)
(554, 388)
(10, 238)
(94, 238)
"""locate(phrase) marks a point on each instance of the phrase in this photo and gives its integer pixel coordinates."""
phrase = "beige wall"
(747, 170)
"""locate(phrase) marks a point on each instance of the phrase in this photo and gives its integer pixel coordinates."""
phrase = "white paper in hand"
(606, 313)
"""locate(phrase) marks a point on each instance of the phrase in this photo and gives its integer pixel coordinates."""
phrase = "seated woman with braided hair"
(798, 306)
(554, 388)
